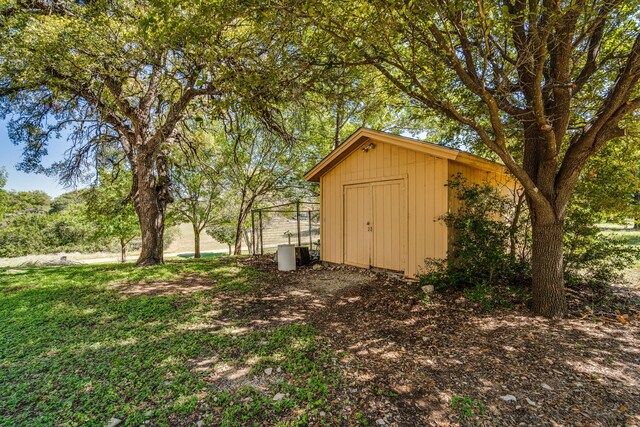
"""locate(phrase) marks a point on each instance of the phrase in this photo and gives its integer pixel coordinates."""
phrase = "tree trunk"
(123, 251)
(150, 198)
(242, 216)
(515, 222)
(547, 269)
(247, 240)
(229, 249)
(196, 242)
(237, 250)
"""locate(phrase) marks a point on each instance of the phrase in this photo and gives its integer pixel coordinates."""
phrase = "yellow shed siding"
(396, 192)
(503, 181)
(425, 198)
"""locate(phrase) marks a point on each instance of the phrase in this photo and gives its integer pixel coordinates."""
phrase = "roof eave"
(364, 134)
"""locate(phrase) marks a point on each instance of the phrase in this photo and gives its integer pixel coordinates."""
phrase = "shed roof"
(359, 137)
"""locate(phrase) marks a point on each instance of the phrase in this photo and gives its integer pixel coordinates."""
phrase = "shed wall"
(504, 182)
(426, 199)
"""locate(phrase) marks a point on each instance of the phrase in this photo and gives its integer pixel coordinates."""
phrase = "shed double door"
(374, 224)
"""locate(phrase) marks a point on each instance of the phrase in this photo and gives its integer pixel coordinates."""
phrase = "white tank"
(286, 257)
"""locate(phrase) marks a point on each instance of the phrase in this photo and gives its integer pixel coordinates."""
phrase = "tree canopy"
(542, 85)
(121, 76)
(549, 88)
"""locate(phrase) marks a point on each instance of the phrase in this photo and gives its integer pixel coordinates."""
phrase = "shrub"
(485, 295)
(22, 235)
(590, 256)
(490, 247)
(482, 254)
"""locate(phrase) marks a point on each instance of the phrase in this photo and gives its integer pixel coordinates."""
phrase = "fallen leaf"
(622, 319)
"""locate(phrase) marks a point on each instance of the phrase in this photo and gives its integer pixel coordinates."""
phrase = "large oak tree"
(543, 84)
(124, 74)
(195, 171)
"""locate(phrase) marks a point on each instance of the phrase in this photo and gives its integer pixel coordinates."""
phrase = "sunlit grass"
(75, 350)
(203, 255)
(626, 232)
(630, 235)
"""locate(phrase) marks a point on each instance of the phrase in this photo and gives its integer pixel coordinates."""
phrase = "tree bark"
(515, 222)
(123, 251)
(247, 240)
(242, 217)
(245, 208)
(196, 242)
(150, 198)
(547, 269)
(237, 250)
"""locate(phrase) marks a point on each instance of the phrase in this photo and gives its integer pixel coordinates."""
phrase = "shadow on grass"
(628, 235)
(75, 350)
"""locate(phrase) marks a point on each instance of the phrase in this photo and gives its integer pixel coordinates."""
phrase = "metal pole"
(261, 241)
(253, 232)
(310, 240)
(298, 222)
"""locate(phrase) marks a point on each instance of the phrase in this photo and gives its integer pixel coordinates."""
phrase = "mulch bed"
(408, 362)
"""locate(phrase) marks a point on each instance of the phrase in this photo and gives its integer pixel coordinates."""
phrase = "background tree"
(345, 99)
(610, 183)
(110, 208)
(22, 235)
(123, 74)
(66, 226)
(223, 226)
(195, 188)
(3, 193)
(543, 84)
(36, 201)
(35, 224)
(259, 164)
(24, 223)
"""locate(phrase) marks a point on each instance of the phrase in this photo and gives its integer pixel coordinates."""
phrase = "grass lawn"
(204, 255)
(80, 345)
(627, 233)
(632, 237)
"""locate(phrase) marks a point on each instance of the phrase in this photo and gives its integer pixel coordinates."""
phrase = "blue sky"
(10, 156)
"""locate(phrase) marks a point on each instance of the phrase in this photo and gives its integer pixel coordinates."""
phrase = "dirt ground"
(408, 362)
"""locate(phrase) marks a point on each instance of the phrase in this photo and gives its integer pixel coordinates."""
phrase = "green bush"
(591, 256)
(481, 255)
(22, 235)
(35, 225)
(489, 247)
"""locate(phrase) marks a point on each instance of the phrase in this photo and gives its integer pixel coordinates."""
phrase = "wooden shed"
(381, 196)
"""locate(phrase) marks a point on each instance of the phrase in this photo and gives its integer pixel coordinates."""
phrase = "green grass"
(466, 406)
(74, 350)
(631, 237)
(627, 233)
(204, 255)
